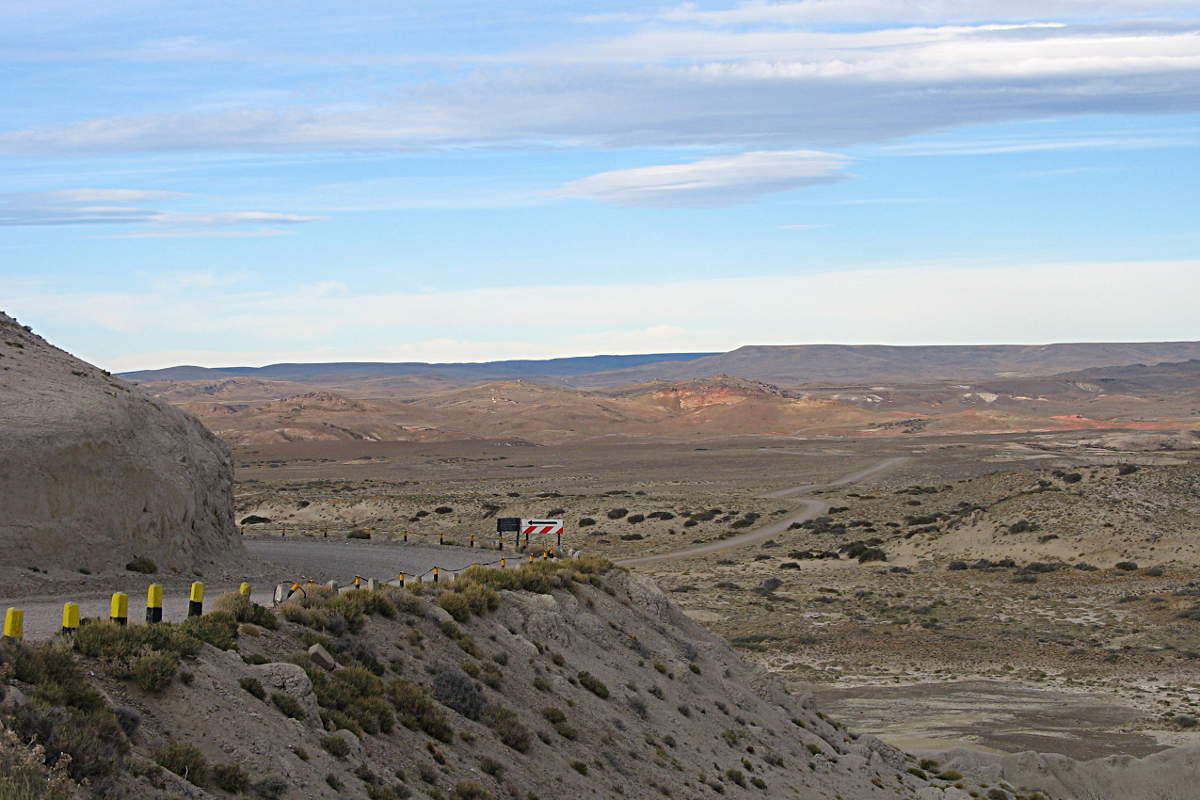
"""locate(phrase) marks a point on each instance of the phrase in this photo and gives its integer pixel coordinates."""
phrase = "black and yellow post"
(196, 600)
(400, 577)
(154, 604)
(358, 581)
(244, 590)
(14, 624)
(503, 563)
(435, 574)
(324, 533)
(558, 541)
(441, 538)
(70, 618)
(282, 533)
(472, 540)
(500, 541)
(406, 537)
(118, 608)
(531, 558)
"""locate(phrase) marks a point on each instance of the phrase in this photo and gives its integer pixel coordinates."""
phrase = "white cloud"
(1034, 303)
(696, 84)
(810, 11)
(75, 207)
(711, 182)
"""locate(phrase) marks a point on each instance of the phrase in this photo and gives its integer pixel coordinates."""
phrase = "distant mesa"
(94, 474)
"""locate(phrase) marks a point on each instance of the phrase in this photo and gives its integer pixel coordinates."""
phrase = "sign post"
(543, 527)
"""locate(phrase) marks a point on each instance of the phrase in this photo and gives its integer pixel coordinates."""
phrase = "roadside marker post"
(70, 618)
(400, 577)
(504, 563)
(196, 600)
(441, 538)
(406, 537)
(244, 590)
(154, 600)
(118, 608)
(435, 574)
(358, 581)
(14, 624)
(472, 540)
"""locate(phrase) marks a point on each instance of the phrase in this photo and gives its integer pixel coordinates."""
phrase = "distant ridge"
(837, 364)
(484, 370)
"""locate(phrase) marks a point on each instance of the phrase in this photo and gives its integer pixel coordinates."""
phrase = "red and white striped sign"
(541, 526)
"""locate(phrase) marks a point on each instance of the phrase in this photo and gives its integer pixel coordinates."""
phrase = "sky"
(222, 183)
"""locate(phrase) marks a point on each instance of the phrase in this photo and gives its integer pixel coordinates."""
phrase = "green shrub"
(230, 778)
(456, 605)
(23, 776)
(253, 686)
(736, 776)
(593, 684)
(358, 533)
(154, 671)
(508, 728)
(54, 674)
(184, 760)
(289, 705)
(118, 647)
(466, 790)
(950, 775)
(553, 715)
(271, 787)
(244, 609)
(579, 767)
(418, 711)
(94, 740)
(218, 629)
(142, 565)
(335, 746)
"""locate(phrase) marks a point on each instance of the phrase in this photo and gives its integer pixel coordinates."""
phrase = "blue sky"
(228, 183)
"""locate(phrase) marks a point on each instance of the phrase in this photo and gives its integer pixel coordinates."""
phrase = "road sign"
(508, 524)
(541, 526)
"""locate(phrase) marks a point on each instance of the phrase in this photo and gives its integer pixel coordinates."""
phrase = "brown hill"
(95, 474)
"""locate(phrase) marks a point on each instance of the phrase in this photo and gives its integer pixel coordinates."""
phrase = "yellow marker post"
(70, 618)
(435, 574)
(244, 590)
(357, 581)
(406, 537)
(503, 563)
(531, 558)
(154, 597)
(14, 624)
(118, 608)
(401, 577)
(472, 540)
(500, 542)
(441, 538)
(196, 600)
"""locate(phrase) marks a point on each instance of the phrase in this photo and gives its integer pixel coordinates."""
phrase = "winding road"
(284, 560)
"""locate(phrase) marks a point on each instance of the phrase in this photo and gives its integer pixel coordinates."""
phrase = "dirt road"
(812, 509)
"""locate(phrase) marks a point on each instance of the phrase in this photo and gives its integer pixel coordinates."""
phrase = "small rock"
(438, 614)
(13, 698)
(320, 656)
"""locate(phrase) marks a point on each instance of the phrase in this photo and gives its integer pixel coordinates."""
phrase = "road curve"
(812, 509)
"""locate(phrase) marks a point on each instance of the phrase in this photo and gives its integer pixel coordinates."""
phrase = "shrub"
(230, 778)
(218, 629)
(585, 522)
(336, 746)
(418, 711)
(271, 787)
(94, 741)
(466, 790)
(579, 767)
(358, 533)
(254, 687)
(736, 776)
(244, 609)
(142, 565)
(950, 775)
(153, 672)
(184, 760)
(55, 676)
(593, 684)
(635, 518)
(553, 715)
(492, 767)
(455, 690)
(508, 728)
(443, 510)
(23, 776)
(1126, 566)
(617, 513)
(289, 705)
(456, 605)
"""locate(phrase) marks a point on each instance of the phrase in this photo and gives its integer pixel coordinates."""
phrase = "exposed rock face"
(94, 474)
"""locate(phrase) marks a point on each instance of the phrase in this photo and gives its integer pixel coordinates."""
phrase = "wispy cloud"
(82, 207)
(711, 182)
(705, 81)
